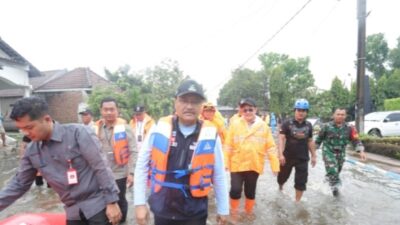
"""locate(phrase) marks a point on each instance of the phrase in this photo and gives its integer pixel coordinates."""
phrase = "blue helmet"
(301, 104)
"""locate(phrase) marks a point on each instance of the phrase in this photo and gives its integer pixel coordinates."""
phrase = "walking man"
(87, 117)
(295, 143)
(140, 123)
(249, 139)
(118, 142)
(183, 157)
(335, 136)
(70, 160)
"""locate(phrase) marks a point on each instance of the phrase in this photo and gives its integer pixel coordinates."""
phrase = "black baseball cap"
(190, 87)
(138, 109)
(86, 111)
(247, 101)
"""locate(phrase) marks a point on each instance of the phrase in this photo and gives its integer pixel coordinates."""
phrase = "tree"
(280, 100)
(392, 87)
(153, 88)
(288, 79)
(321, 103)
(377, 51)
(162, 82)
(394, 56)
(108, 91)
(339, 94)
(244, 83)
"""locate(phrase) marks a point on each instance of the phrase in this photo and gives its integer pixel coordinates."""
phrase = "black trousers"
(249, 179)
(163, 221)
(300, 175)
(122, 203)
(98, 219)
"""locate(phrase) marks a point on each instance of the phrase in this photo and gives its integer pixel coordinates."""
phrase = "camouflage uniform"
(335, 140)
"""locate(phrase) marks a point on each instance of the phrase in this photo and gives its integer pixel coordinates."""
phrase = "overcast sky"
(208, 38)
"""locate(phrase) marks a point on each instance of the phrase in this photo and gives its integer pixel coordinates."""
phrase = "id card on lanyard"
(72, 175)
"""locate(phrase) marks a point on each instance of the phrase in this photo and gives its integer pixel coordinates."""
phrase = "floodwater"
(366, 197)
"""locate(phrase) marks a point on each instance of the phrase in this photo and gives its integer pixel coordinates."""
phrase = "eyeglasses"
(301, 110)
(248, 110)
(207, 108)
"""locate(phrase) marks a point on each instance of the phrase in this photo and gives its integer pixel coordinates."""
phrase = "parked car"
(314, 121)
(382, 124)
(316, 124)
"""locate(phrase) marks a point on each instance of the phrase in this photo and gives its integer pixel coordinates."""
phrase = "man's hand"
(313, 160)
(129, 181)
(222, 219)
(282, 160)
(142, 214)
(113, 213)
(363, 156)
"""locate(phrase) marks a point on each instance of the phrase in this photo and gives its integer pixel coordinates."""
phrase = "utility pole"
(361, 16)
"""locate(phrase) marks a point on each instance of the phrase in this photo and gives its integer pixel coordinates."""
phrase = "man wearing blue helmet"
(295, 141)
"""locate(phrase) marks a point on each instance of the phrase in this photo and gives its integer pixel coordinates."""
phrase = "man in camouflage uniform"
(335, 136)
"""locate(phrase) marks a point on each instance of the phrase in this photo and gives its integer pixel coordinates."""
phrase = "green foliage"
(161, 83)
(289, 79)
(244, 83)
(379, 94)
(394, 56)
(392, 86)
(154, 88)
(100, 93)
(339, 94)
(376, 51)
(392, 104)
(387, 146)
(280, 99)
(321, 104)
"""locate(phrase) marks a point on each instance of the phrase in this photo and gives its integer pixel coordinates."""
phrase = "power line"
(269, 40)
(275, 34)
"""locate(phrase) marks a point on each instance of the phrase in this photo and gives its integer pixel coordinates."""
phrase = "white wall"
(12, 74)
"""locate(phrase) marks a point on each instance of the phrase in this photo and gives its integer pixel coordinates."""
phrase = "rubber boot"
(249, 206)
(234, 211)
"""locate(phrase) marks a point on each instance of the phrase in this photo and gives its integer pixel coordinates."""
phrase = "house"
(65, 91)
(15, 72)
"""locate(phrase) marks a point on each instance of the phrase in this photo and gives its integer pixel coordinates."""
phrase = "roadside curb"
(374, 168)
(386, 166)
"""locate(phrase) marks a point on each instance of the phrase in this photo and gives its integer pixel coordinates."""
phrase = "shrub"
(392, 104)
(387, 146)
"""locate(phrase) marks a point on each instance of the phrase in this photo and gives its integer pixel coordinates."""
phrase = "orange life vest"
(147, 121)
(200, 169)
(119, 141)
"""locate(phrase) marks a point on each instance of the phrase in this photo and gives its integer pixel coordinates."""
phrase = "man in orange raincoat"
(248, 142)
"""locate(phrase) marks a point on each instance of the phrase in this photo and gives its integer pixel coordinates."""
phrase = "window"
(394, 117)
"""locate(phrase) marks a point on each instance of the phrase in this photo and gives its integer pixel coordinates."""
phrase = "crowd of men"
(172, 164)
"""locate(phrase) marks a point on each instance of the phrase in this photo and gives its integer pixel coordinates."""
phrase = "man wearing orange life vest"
(183, 157)
(140, 123)
(248, 142)
(118, 142)
(210, 113)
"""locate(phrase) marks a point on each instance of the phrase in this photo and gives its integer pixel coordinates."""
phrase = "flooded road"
(366, 197)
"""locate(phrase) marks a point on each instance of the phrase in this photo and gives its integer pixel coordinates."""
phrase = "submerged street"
(366, 197)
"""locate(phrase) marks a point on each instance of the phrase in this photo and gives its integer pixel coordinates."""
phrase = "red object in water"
(36, 219)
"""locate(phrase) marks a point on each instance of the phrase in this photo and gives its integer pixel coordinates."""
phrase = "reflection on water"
(366, 197)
